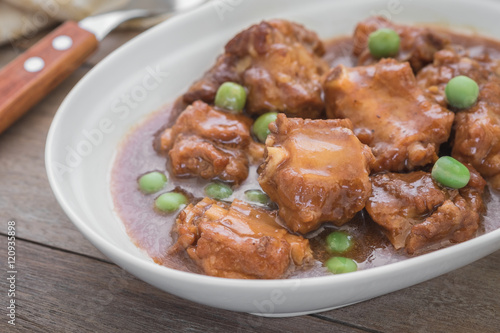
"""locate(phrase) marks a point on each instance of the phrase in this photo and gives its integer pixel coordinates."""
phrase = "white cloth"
(20, 18)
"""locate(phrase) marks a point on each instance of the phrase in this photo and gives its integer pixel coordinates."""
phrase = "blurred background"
(23, 19)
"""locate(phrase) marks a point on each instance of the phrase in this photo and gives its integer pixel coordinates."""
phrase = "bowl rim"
(108, 248)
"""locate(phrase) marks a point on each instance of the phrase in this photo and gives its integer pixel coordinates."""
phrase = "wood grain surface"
(65, 285)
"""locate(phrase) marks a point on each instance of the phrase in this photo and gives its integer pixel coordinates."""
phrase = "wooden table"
(65, 285)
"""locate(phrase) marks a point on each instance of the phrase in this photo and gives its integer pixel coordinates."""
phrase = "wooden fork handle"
(36, 72)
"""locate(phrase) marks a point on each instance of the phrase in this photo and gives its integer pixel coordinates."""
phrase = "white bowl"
(95, 116)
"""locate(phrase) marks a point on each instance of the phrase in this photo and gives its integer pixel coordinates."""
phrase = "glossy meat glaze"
(354, 133)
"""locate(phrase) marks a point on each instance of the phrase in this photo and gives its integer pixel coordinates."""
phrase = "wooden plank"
(61, 292)
(26, 196)
(466, 300)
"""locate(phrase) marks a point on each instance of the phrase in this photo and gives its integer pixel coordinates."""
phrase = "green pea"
(338, 242)
(231, 96)
(261, 126)
(257, 196)
(152, 182)
(339, 265)
(384, 43)
(461, 92)
(170, 201)
(218, 191)
(450, 172)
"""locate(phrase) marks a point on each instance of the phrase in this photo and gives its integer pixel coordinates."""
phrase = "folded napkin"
(23, 18)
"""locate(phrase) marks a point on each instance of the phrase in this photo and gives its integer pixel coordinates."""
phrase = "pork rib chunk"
(389, 113)
(280, 65)
(418, 44)
(477, 129)
(419, 214)
(238, 241)
(210, 144)
(316, 171)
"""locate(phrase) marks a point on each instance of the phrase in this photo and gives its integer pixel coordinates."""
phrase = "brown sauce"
(151, 231)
